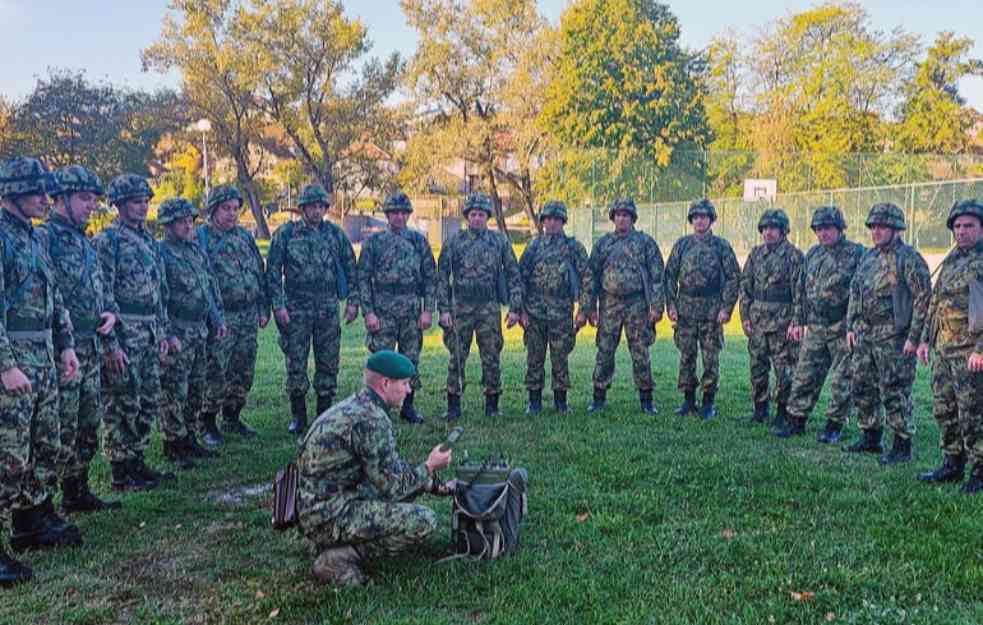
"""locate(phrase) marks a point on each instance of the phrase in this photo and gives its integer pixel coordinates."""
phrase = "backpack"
(341, 278)
(573, 276)
(489, 505)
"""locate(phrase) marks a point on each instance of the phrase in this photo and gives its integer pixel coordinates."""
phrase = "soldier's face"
(827, 235)
(701, 224)
(31, 206)
(81, 205)
(477, 219)
(182, 228)
(314, 212)
(397, 219)
(966, 229)
(226, 215)
(395, 391)
(771, 235)
(622, 221)
(552, 225)
(135, 209)
(881, 235)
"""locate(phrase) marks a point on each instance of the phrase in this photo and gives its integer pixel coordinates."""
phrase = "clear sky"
(104, 37)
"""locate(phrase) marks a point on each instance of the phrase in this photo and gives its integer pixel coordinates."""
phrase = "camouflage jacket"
(871, 305)
(237, 267)
(548, 267)
(823, 292)
(627, 266)
(947, 323)
(193, 299)
(30, 298)
(397, 274)
(474, 263)
(303, 267)
(134, 270)
(349, 453)
(767, 284)
(78, 274)
(702, 277)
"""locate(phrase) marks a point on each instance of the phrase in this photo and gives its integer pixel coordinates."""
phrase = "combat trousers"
(557, 336)
(322, 329)
(232, 362)
(483, 322)
(883, 375)
(957, 397)
(771, 351)
(376, 527)
(182, 381)
(631, 315)
(80, 412)
(697, 335)
(398, 333)
(823, 351)
(131, 400)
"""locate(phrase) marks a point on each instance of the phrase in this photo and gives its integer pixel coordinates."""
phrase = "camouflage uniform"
(767, 282)
(821, 299)
(627, 271)
(553, 269)
(882, 374)
(702, 280)
(474, 269)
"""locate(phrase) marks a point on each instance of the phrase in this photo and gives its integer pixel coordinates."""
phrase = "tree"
(219, 78)
(6, 128)
(730, 157)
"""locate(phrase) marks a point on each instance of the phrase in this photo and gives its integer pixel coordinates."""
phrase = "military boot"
(831, 434)
(232, 421)
(78, 497)
(953, 469)
(37, 528)
(708, 410)
(178, 454)
(600, 400)
(298, 409)
(535, 405)
(196, 449)
(645, 401)
(781, 417)
(760, 414)
(140, 469)
(125, 480)
(210, 434)
(11, 571)
(869, 443)
(689, 404)
(491, 405)
(453, 407)
(900, 451)
(323, 403)
(408, 412)
(975, 482)
(339, 566)
(794, 426)
(560, 401)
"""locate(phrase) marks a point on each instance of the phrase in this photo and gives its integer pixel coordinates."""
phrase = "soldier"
(626, 294)
(237, 267)
(555, 275)
(134, 273)
(193, 305)
(350, 451)
(396, 275)
(767, 282)
(957, 375)
(889, 299)
(309, 269)
(33, 316)
(476, 274)
(93, 310)
(702, 284)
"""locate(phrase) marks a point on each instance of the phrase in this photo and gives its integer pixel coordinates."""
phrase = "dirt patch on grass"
(239, 496)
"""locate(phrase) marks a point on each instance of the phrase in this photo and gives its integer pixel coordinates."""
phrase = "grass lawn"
(632, 519)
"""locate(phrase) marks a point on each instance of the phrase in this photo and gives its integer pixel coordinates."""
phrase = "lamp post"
(204, 126)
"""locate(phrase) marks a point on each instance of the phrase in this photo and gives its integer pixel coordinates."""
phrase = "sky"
(104, 37)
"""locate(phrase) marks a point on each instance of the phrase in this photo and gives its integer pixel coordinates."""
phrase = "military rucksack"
(341, 279)
(489, 505)
(573, 276)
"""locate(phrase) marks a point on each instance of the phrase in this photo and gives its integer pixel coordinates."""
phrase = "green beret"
(391, 364)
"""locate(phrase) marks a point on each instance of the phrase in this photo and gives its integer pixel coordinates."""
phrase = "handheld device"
(452, 437)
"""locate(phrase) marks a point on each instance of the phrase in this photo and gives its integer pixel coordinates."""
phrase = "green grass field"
(632, 519)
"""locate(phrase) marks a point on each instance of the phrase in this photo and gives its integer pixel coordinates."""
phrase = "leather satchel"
(285, 498)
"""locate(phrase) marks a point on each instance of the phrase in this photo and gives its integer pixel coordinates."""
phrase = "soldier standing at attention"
(310, 268)
(555, 275)
(93, 310)
(770, 274)
(884, 333)
(957, 375)
(627, 294)
(193, 305)
(237, 267)
(354, 491)
(702, 283)
(476, 275)
(32, 312)
(397, 278)
(821, 300)
(133, 269)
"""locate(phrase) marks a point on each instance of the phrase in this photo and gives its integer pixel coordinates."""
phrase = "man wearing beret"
(354, 490)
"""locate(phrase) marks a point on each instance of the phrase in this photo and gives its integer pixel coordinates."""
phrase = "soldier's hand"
(923, 353)
(445, 489)
(851, 340)
(282, 317)
(524, 320)
(746, 326)
(580, 321)
(511, 319)
(439, 459)
(909, 348)
(173, 345)
(69, 364)
(15, 382)
(673, 315)
(351, 312)
(655, 315)
(222, 332)
(425, 321)
(975, 362)
(595, 318)
(117, 360)
(372, 323)
(163, 348)
(108, 323)
(264, 321)
(723, 316)
(445, 321)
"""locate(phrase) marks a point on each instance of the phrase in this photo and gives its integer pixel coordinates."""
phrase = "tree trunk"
(252, 197)
(497, 204)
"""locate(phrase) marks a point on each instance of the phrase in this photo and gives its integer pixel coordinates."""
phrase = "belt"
(828, 315)
(137, 318)
(309, 285)
(137, 310)
(476, 295)
(238, 306)
(29, 335)
(397, 289)
(85, 324)
(190, 315)
(774, 295)
(27, 324)
(627, 297)
(711, 290)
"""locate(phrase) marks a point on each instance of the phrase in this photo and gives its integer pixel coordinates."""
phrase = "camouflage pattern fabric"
(558, 337)
(353, 485)
(80, 412)
(767, 284)
(619, 314)
(483, 324)
(322, 330)
(397, 279)
(183, 379)
(957, 395)
(693, 337)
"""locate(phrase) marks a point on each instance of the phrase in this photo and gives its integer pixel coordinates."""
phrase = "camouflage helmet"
(774, 217)
(397, 202)
(828, 216)
(126, 187)
(313, 193)
(702, 207)
(24, 176)
(886, 214)
(965, 207)
(77, 179)
(222, 194)
(175, 208)
(623, 204)
(554, 208)
(477, 201)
